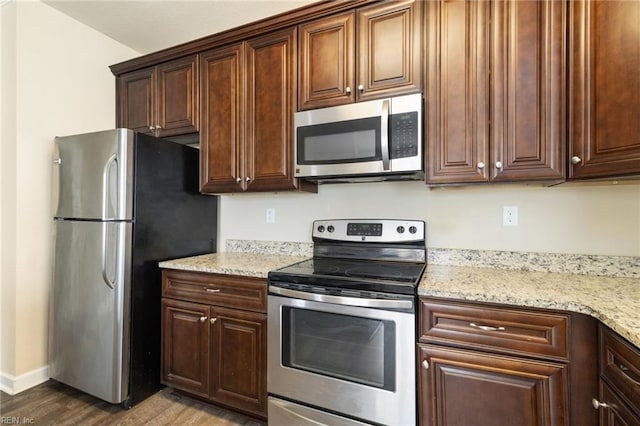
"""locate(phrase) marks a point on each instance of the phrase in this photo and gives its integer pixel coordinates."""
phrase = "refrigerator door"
(94, 172)
(89, 334)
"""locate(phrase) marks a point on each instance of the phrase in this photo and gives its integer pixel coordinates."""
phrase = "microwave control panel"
(403, 136)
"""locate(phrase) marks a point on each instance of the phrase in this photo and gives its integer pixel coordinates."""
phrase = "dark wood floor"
(52, 403)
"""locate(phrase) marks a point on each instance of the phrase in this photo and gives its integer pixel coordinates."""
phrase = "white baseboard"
(12, 385)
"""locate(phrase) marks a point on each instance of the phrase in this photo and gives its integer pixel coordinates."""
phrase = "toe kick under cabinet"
(214, 331)
(489, 364)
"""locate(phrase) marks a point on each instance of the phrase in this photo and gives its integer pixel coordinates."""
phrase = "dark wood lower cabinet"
(490, 364)
(239, 342)
(617, 412)
(461, 387)
(214, 339)
(185, 346)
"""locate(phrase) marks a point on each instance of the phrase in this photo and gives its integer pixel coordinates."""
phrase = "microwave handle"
(384, 134)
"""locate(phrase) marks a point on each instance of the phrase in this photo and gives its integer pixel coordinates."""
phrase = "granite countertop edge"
(613, 301)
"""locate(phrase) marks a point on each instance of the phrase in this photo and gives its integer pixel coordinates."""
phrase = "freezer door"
(94, 175)
(90, 305)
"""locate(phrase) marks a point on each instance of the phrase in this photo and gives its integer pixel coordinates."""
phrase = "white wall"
(580, 219)
(56, 82)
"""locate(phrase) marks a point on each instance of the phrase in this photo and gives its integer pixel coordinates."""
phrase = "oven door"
(354, 360)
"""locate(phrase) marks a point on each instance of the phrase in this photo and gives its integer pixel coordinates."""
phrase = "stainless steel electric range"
(342, 326)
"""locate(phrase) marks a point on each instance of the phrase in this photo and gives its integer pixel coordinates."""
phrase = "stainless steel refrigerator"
(125, 201)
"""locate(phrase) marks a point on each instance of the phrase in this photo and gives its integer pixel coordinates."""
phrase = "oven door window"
(355, 349)
(350, 141)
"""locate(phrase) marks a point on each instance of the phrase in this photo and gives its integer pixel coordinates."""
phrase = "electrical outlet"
(510, 216)
(271, 215)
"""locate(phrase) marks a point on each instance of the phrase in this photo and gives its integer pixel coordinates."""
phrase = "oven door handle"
(341, 300)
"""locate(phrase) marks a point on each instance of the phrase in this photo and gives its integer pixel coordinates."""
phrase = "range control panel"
(370, 230)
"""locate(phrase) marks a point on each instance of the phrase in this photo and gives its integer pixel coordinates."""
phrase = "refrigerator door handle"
(105, 252)
(106, 187)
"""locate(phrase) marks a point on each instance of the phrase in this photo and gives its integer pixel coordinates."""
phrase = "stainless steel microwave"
(373, 140)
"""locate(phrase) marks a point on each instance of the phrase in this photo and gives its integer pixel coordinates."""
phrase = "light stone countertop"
(614, 301)
(232, 263)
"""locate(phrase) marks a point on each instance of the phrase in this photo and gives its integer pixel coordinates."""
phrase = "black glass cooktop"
(367, 275)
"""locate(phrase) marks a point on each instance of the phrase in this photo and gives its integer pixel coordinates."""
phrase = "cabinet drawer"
(222, 290)
(488, 327)
(620, 366)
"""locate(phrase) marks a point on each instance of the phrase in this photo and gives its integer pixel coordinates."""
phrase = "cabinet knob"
(425, 364)
(247, 179)
(203, 319)
(238, 179)
(152, 128)
(348, 89)
(576, 160)
(480, 165)
(57, 161)
(597, 404)
(213, 320)
(159, 127)
(361, 88)
(499, 165)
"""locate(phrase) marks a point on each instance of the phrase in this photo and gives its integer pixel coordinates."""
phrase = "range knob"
(413, 229)
(320, 228)
(330, 228)
(400, 229)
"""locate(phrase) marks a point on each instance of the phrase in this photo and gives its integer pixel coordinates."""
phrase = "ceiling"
(150, 25)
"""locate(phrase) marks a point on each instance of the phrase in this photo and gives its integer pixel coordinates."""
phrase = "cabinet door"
(528, 90)
(458, 387)
(185, 346)
(457, 130)
(326, 62)
(270, 105)
(604, 88)
(389, 49)
(136, 100)
(177, 97)
(616, 412)
(222, 109)
(239, 371)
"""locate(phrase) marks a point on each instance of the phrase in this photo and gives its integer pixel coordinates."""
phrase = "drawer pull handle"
(623, 370)
(211, 290)
(486, 327)
(597, 404)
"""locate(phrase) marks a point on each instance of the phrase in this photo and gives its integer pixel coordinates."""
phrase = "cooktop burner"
(366, 255)
(383, 276)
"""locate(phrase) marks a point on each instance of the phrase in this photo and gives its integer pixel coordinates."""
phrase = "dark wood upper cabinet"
(136, 100)
(495, 91)
(604, 89)
(457, 84)
(248, 99)
(528, 90)
(160, 100)
(326, 61)
(372, 52)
